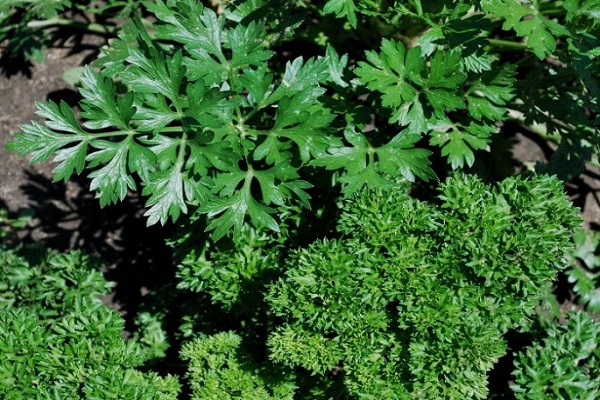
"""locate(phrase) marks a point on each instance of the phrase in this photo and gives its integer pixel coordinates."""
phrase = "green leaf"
(584, 272)
(154, 73)
(208, 107)
(113, 179)
(99, 105)
(167, 195)
(399, 157)
(409, 88)
(280, 184)
(68, 143)
(189, 23)
(527, 21)
(59, 118)
(305, 122)
(337, 66)
(300, 76)
(247, 44)
(489, 94)
(258, 84)
(372, 166)
(230, 209)
(458, 142)
(342, 8)
(236, 202)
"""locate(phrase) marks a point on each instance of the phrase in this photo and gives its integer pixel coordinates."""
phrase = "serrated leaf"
(70, 159)
(490, 93)
(258, 84)
(230, 209)
(41, 142)
(141, 160)
(458, 142)
(376, 166)
(336, 66)
(300, 76)
(478, 62)
(280, 183)
(405, 83)
(273, 150)
(154, 73)
(167, 195)
(59, 117)
(190, 24)
(429, 40)
(100, 108)
(234, 201)
(112, 180)
(247, 44)
(153, 113)
(205, 156)
(527, 21)
(304, 122)
(208, 107)
(342, 8)
(586, 279)
(399, 157)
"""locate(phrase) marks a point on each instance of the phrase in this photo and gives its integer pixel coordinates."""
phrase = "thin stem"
(508, 44)
(538, 129)
(176, 129)
(64, 22)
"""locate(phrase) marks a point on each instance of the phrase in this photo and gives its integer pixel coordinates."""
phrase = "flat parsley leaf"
(342, 8)
(527, 21)
(380, 166)
(458, 141)
(417, 94)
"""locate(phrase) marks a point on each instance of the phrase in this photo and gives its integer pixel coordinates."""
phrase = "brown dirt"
(19, 93)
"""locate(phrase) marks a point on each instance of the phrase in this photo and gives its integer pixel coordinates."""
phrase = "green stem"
(507, 44)
(538, 129)
(176, 129)
(64, 22)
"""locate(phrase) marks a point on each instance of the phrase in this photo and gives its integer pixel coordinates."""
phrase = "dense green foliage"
(347, 220)
(413, 301)
(368, 304)
(202, 114)
(566, 365)
(59, 341)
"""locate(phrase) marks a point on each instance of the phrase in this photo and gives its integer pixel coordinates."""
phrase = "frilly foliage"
(413, 301)
(219, 369)
(208, 114)
(59, 341)
(565, 365)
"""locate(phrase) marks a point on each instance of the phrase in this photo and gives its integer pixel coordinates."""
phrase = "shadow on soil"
(67, 216)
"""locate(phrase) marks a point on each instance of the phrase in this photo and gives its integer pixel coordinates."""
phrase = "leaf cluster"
(212, 114)
(201, 114)
(565, 365)
(198, 119)
(219, 368)
(59, 341)
(373, 302)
